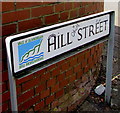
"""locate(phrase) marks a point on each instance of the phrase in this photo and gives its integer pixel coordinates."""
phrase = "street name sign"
(33, 47)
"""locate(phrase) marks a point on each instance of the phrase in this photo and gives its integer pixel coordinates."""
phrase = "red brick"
(60, 93)
(88, 9)
(89, 60)
(79, 74)
(3, 55)
(60, 63)
(55, 88)
(63, 83)
(72, 78)
(98, 5)
(91, 65)
(93, 8)
(76, 4)
(7, 6)
(3, 87)
(25, 96)
(64, 16)
(42, 3)
(96, 48)
(38, 73)
(8, 29)
(87, 54)
(84, 63)
(1, 44)
(39, 106)
(85, 3)
(81, 58)
(0, 30)
(1, 58)
(65, 66)
(30, 84)
(73, 62)
(86, 69)
(50, 99)
(51, 82)
(4, 107)
(24, 14)
(45, 93)
(73, 13)
(92, 51)
(77, 68)
(69, 72)
(29, 24)
(82, 11)
(4, 76)
(51, 67)
(3, 67)
(15, 16)
(45, 77)
(4, 46)
(70, 58)
(55, 72)
(51, 19)
(59, 7)
(24, 4)
(5, 96)
(29, 4)
(94, 57)
(42, 11)
(29, 103)
(40, 88)
(68, 5)
(19, 90)
(61, 77)
(0, 76)
(24, 79)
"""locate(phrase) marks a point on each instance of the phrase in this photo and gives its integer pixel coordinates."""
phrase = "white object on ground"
(99, 89)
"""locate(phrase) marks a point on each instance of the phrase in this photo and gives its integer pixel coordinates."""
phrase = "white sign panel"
(31, 48)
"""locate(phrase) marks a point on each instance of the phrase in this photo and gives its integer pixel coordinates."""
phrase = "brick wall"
(63, 85)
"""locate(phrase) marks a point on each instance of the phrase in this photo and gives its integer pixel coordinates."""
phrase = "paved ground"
(116, 64)
(97, 103)
(115, 101)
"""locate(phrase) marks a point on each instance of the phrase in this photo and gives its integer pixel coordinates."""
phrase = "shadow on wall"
(113, 5)
(119, 14)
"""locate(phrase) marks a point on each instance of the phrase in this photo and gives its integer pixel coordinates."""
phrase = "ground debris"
(97, 103)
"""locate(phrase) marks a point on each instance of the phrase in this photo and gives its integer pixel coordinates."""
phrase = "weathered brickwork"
(63, 85)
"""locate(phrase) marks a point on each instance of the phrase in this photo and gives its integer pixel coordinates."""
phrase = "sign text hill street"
(30, 48)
